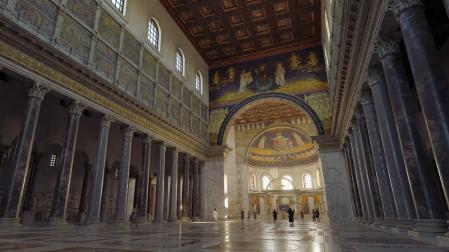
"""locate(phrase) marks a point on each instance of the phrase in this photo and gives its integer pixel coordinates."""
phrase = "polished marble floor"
(251, 235)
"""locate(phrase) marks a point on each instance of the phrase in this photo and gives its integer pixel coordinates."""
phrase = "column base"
(10, 222)
(377, 222)
(57, 221)
(402, 226)
(142, 219)
(27, 218)
(121, 220)
(387, 224)
(92, 221)
(186, 219)
(438, 226)
(443, 240)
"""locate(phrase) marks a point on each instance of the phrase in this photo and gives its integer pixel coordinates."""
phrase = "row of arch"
(286, 182)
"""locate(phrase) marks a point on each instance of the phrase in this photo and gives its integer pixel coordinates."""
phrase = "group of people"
(290, 212)
(316, 214)
(242, 215)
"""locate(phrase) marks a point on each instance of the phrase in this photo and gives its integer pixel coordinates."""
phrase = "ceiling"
(229, 31)
(269, 111)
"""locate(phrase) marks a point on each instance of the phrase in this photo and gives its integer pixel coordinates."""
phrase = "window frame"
(288, 179)
(152, 20)
(310, 181)
(199, 76)
(120, 8)
(181, 53)
(269, 179)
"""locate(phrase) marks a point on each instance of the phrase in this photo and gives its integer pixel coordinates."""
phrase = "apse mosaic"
(300, 73)
(280, 147)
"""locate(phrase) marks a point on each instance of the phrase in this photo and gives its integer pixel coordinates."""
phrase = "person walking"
(291, 214)
(215, 214)
(302, 215)
(275, 215)
(255, 215)
(242, 215)
(249, 214)
(317, 213)
(313, 215)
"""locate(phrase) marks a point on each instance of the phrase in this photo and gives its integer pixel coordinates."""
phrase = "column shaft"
(22, 154)
(422, 174)
(383, 178)
(173, 215)
(62, 188)
(358, 174)
(123, 179)
(105, 197)
(431, 83)
(196, 180)
(93, 215)
(368, 165)
(186, 186)
(392, 150)
(145, 180)
(159, 215)
(352, 181)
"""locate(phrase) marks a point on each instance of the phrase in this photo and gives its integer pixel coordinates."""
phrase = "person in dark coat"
(317, 213)
(314, 215)
(302, 215)
(242, 215)
(291, 214)
(275, 215)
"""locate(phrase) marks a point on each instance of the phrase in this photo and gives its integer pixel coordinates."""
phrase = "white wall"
(136, 17)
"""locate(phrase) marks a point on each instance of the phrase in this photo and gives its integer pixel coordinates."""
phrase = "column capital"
(355, 127)
(106, 120)
(358, 112)
(397, 6)
(366, 96)
(38, 91)
(163, 145)
(129, 131)
(147, 139)
(384, 46)
(76, 108)
(375, 76)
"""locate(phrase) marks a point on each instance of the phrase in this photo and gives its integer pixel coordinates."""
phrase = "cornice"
(38, 59)
(361, 25)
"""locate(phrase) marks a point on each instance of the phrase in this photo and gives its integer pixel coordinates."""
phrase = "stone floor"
(221, 236)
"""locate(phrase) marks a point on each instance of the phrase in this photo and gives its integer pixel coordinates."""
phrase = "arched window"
(119, 4)
(153, 33)
(266, 183)
(287, 183)
(179, 64)
(198, 82)
(252, 183)
(307, 181)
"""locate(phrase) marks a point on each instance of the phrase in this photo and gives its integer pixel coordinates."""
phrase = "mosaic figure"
(280, 73)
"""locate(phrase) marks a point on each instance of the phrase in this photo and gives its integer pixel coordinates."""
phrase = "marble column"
(82, 209)
(93, 214)
(34, 170)
(159, 213)
(191, 191)
(123, 178)
(105, 196)
(446, 6)
(142, 207)
(352, 180)
(393, 155)
(186, 187)
(196, 188)
(430, 80)
(173, 214)
(22, 154)
(377, 151)
(357, 170)
(368, 165)
(422, 174)
(64, 177)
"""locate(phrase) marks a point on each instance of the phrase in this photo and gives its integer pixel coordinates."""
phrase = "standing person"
(249, 214)
(313, 215)
(215, 214)
(317, 212)
(242, 215)
(302, 215)
(254, 214)
(275, 215)
(291, 214)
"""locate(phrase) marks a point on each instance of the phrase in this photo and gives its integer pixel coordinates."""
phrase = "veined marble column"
(93, 215)
(159, 213)
(422, 174)
(430, 80)
(22, 154)
(186, 187)
(123, 180)
(64, 177)
(393, 155)
(368, 165)
(383, 178)
(352, 179)
(173, 214)
(142, 211)
(357, 172)
(196, 188)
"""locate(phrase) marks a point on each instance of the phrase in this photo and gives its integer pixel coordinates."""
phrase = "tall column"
(352, 180)
(123, 180)
(82, 209)
(62, 188)
(105, 196)
(93, 214)
(22, 154)
(159, 215)
(368, 165)
(430, 80)
(357, 170)
(383, 178)
(422, 174)
(173, 216)
(191, 191)
(142, 207)
(446, 6)
(34, 170)
(196, 196)
(393, 155)
(186, 186)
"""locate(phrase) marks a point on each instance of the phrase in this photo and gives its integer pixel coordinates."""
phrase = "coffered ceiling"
(229, 31)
